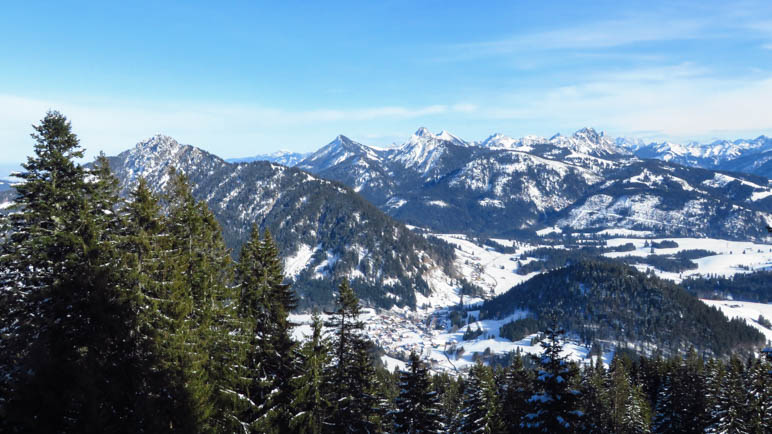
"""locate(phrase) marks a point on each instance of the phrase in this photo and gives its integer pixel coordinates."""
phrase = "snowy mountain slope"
(505, 187)
(670, 199)
(447, 184)
(283, 157)
(324, 230)
(739, 155)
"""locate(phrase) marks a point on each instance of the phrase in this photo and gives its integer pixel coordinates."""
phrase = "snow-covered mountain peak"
(424, 136)
(159, 144)
(340, 149)
(589, 142)
(448, 137)
(423, 149)
(423, 132)
(589, 134)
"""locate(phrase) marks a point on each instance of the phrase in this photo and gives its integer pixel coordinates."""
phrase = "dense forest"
(116, 316)
(756, 286)
(609, 301)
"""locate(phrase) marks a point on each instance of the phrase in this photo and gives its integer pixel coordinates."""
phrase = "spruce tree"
(516, 392)
(556, 402)
(759, 384)
(265, 303)
(206, 330)
(731, 404)
(351, 372)
(67, 345)
(310, 404)
(416, 406)
(595, 399)
(481, 412)
(163, 381)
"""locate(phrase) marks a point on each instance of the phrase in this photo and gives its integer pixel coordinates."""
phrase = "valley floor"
(428, 332)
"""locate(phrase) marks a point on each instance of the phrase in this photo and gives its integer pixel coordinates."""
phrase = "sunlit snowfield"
(427, 330)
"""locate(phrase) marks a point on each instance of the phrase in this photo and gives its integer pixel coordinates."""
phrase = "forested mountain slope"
(324, 230)
(614, 302)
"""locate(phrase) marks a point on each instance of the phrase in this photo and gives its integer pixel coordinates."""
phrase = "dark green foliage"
(549, 258)
(680, 406)
(756, 287)
(450, 391)
(481, 411)
(265, 303)
(664, 244)
(627, 247)
(694, 254)
(416, 407)
(603, 300)
(555, 403)
(67, 352)
(310, 404)
(205, 317)
(351, 371)
(516, 390)
(471, 334)
(519, 328)
(672, 264)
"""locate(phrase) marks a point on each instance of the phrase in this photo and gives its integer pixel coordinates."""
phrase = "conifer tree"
(206, 331)
(759, 384)
(162, 382)
(450, 392)
(265, 303)
(481, 412)
(67, 345)
(555, 403)
(416, 406)
(351, 372)
(517, 391)
(595, 400)
(666, 415)
(626, 405)
(731, 404)
(310, 403)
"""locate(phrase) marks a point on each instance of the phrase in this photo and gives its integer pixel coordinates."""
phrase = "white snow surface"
(732, 256)
(298, 262)
(427, 330)
(745, 310)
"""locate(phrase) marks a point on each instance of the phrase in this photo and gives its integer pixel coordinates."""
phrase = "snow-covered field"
(746, 310)
(427, 330)
(485, 267)
(732, 256)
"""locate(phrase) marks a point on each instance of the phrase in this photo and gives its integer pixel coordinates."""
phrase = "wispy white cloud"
(116, 125)
(589, 36)
(676, 102)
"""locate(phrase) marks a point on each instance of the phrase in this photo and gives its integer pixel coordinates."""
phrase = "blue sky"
(245, 78)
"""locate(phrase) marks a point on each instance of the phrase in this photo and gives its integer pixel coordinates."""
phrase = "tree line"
(129, 315)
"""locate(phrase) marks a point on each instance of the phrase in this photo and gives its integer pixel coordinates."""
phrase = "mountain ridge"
(324, 230)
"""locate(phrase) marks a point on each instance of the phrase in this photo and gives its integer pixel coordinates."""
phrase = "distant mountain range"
(285, 158)
(512, 187)
(342, 210)
(748, 156)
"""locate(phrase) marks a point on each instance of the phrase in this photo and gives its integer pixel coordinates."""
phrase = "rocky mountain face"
(324, 230)
(512, 187)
